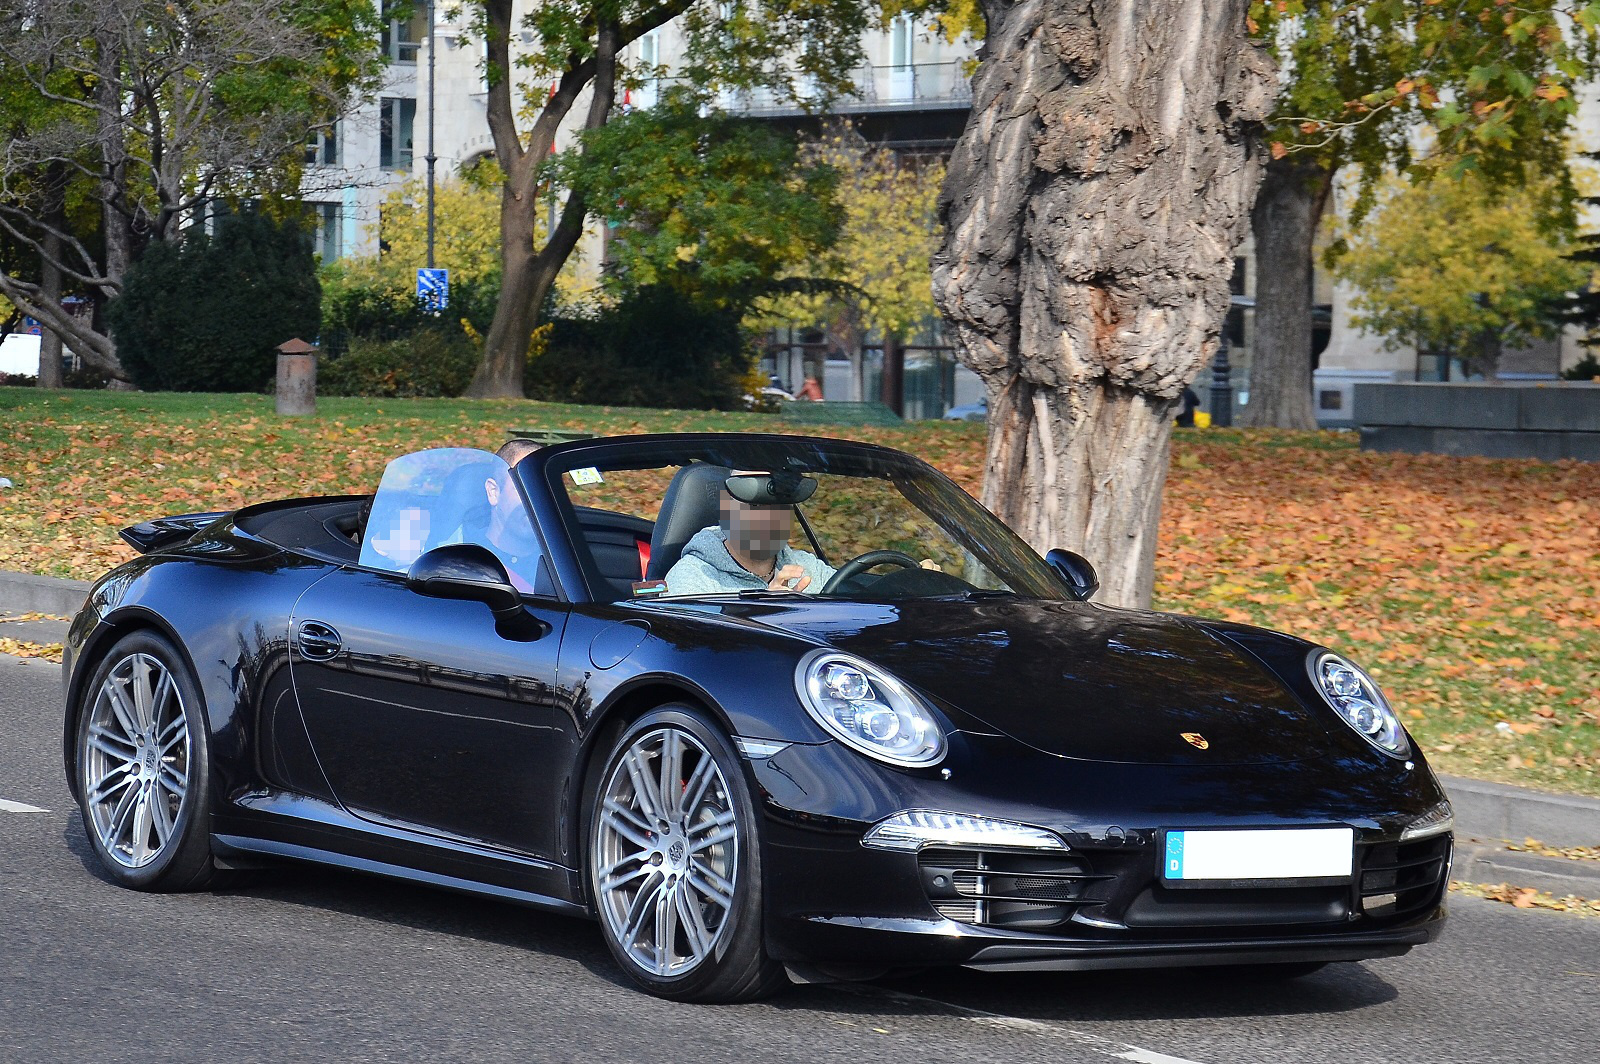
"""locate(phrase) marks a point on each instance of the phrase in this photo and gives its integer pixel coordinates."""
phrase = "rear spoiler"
(166, 532)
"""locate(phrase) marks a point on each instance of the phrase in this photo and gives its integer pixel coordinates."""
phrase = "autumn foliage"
(1470, 587)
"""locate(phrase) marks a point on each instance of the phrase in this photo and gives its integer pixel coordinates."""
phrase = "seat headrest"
(693, 501)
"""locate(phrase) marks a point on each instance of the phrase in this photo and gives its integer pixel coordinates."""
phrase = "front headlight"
(869, 709)
(1357, 700)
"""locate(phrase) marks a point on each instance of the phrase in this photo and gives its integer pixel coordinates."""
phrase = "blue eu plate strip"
(1174, 855)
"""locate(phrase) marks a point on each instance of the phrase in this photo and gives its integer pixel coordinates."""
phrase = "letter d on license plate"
(1264, 854)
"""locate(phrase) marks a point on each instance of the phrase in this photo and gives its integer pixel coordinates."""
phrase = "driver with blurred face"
(749, 550)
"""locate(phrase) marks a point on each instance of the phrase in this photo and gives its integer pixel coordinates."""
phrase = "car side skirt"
(239, 844)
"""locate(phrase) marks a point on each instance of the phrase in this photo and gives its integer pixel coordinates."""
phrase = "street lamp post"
(430, 157)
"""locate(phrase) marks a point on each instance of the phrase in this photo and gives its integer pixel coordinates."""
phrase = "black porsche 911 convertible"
(767, 707)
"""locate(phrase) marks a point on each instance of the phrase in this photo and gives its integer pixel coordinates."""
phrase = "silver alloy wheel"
(135, 769)
(666, 852)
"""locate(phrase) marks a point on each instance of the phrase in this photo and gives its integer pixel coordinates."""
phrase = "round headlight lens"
(869, 709)
(1356, 698)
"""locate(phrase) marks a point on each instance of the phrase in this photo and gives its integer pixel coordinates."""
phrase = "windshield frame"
(543, 469)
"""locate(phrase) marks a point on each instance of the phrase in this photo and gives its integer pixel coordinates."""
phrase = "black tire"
(735, 967)
(182, 859)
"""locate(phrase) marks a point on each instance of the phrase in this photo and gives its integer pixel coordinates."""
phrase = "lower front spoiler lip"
(942, 942)
(1059, 958)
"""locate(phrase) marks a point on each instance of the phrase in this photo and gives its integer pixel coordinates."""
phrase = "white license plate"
(1269, 853)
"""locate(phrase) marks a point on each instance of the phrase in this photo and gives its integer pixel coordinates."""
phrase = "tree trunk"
(1284, 220)
(1486, 355)
(1092, 208)
(527, 275)
(55, 218)
(505, 348)
(50, 375)
(892, 388)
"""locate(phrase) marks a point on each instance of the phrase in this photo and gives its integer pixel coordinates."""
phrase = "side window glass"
(450, 495)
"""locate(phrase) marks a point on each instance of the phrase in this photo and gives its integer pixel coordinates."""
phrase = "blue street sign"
(433, 288)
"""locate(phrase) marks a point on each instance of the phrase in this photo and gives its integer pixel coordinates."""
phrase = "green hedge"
(428, 363)
(654, 348)
(207, 314)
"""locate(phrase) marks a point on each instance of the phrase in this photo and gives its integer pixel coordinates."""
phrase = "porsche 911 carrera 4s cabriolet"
(765, 707)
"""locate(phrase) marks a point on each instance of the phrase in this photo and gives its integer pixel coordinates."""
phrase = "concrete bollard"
(297, 378)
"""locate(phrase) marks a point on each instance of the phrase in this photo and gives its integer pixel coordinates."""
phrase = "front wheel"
(143, 767)
(675, 863)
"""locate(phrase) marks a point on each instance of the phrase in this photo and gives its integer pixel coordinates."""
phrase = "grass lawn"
(1469, 587)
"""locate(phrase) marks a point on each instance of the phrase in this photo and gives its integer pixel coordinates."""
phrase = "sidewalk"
(1488, 815)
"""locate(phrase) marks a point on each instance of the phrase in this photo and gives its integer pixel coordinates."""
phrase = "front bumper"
(883, 942)
(1101, 904)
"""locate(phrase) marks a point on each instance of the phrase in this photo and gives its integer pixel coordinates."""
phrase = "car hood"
(1073, 679)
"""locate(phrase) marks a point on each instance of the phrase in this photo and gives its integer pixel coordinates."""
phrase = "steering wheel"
(862, 562)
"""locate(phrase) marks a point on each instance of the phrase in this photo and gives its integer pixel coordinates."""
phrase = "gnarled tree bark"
(1092, 208)
(1284, 220)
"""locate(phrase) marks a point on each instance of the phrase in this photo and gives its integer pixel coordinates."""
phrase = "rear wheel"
(674, 862)
(143, 767)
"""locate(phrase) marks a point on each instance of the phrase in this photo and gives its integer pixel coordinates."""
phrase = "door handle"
(318, 641)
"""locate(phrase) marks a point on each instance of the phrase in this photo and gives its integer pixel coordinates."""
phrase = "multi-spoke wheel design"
(667, 853)
(142, 766)
(136, 762)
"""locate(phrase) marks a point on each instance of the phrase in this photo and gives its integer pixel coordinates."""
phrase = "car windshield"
(760, 516)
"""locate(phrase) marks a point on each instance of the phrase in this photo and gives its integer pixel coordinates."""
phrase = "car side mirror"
(1075, 571)
(470, 572)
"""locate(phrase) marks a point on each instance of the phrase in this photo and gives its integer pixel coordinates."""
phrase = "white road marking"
(1145, 1056)
(1092, 1042)
(18, 807)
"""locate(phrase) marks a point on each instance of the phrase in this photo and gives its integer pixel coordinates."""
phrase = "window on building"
(902, 43)
(330, 226)
(649, 61)
(397, 117)
(323, 147)
(402, 37)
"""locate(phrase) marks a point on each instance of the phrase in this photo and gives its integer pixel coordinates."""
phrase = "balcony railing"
(913, 86)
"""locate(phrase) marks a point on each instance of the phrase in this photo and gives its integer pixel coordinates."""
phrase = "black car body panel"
(356, 722)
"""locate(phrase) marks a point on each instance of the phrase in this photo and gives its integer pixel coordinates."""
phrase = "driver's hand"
(790, 578)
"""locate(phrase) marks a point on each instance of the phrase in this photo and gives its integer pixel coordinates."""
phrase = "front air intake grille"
(1002, 889)
(1401, 879)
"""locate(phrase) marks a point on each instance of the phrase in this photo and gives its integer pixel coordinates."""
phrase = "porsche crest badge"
(1195, 739)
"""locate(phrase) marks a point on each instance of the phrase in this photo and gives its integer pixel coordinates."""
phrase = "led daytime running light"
(913, 829)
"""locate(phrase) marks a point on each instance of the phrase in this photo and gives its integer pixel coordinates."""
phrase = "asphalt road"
(310, 965)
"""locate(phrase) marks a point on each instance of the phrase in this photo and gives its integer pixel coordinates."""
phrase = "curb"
(30, 593)
(1477, 862)
(1500, 811)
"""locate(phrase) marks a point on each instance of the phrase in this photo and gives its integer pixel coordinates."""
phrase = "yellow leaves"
(1443, 260)
(1528, 898)
(18, 648)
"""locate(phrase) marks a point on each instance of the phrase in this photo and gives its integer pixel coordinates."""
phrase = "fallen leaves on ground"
(18, 648)
(7, 618)
(1469, 587)
(1528, 897)
(1571, 853)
